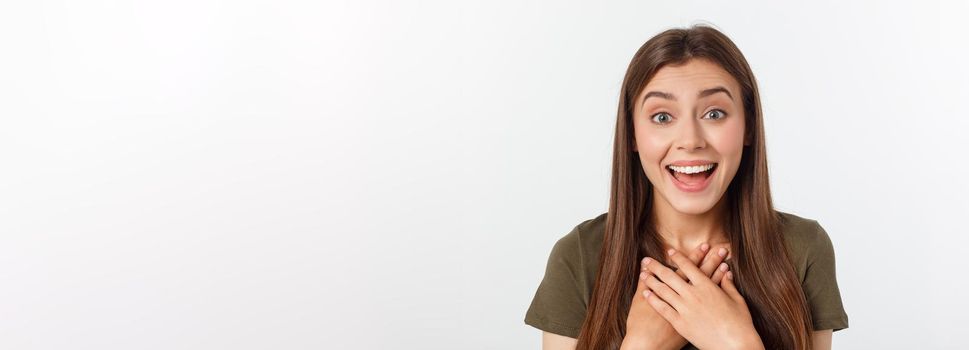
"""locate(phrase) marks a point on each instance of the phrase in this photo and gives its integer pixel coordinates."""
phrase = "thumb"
(731, 289)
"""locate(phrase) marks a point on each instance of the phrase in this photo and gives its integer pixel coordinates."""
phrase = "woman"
(690, 178)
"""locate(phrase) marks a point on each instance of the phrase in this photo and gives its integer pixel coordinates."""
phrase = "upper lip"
(691, 162)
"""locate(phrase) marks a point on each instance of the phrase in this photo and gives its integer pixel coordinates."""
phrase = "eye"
(716, 113)
(661, 115)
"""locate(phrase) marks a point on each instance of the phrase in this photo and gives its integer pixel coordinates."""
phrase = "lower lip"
(693, 188)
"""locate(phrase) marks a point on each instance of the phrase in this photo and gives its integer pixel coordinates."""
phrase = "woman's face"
(690, 113)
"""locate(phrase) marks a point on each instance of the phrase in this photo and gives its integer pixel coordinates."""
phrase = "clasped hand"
(699, 304)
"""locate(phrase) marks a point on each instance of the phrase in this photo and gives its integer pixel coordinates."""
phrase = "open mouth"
(692, 176)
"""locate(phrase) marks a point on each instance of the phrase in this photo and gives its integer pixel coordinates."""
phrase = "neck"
(686, 231)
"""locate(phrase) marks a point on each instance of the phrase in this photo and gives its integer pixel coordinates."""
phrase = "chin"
(693, 206)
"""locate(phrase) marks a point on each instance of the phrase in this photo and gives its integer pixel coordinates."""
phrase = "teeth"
(691, 169)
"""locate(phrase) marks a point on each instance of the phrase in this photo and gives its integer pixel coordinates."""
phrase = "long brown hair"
(763, 273)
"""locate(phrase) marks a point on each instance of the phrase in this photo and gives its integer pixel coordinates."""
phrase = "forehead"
(690, 77)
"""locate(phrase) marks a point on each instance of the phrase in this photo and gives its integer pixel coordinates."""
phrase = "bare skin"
(691, 111)
(645, 327)
(710, 315)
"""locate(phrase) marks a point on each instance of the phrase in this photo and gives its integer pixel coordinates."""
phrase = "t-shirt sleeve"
(558, 306)
(821, 285)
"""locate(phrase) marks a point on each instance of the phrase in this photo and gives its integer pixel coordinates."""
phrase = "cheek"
(651, 145)
(653, 148)
(729, 140)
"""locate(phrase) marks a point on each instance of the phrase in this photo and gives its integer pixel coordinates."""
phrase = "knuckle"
(716, 276)
(713, 256)
(666, 275)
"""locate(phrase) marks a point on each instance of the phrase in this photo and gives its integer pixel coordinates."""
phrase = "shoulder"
(798, 230)
(807, 241)
(560, 303)
(584, 238)
(813, 256)
(578, 252)
(801, 231)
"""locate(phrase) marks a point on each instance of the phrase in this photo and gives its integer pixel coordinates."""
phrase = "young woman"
(691, 253)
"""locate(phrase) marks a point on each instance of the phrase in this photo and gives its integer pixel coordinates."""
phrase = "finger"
(661, 307)
(699, 253)
(696, 257)
(719, 273)
(693, 273)
(666, 275)
(663, 291)
(713, 260)
(731, 289)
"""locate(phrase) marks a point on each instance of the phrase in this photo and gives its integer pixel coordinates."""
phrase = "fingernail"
(647, 260)
(671, 251)
(722, 252)
(647, 293)
(723, 266)
(642, 275)
(705, 247)
(730, 275)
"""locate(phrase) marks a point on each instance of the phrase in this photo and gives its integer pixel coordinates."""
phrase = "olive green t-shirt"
(560, 303)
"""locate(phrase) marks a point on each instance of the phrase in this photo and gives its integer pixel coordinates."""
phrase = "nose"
(690, 136)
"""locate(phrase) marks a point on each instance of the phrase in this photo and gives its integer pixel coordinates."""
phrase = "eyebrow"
(704, 93)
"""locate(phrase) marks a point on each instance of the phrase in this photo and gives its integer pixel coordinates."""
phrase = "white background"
(376, 175)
